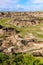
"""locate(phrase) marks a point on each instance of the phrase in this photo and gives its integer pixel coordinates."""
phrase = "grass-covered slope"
(35, 30)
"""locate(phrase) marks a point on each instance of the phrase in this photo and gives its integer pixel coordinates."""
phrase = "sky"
(21, 5)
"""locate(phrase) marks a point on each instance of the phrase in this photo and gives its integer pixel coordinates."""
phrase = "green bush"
(20, 59)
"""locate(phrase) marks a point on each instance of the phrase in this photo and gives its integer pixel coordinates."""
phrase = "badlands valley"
(21, 32)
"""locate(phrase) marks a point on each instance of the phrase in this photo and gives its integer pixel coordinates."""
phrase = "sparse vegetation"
(34, 29)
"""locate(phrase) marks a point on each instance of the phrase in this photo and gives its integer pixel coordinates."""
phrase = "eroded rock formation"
(10, 38)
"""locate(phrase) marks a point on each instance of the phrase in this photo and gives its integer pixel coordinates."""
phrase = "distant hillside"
(23, 18)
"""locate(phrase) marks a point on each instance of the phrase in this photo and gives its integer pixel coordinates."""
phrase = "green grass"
(20, 59)
(34, 29)
(3, 21)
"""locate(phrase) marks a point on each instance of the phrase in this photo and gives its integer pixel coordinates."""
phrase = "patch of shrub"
(19, 59)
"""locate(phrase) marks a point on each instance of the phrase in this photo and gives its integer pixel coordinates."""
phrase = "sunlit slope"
(36, 30)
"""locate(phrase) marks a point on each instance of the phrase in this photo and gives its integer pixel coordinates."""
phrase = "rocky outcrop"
(15, 44)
